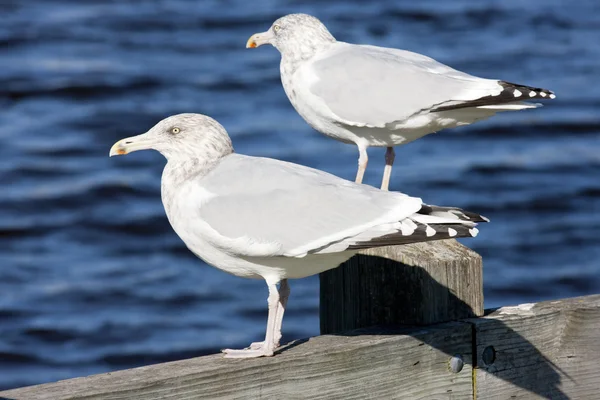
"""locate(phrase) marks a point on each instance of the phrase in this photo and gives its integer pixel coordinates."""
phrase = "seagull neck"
(178, 171)
(197, 158)
(303, 51)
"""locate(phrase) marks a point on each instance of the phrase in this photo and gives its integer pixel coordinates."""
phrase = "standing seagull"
(377, 96)
(263, 218)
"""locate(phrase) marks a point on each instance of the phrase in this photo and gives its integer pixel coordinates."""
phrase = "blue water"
(93, 279)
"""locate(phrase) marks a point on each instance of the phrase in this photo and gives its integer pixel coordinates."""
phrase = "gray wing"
(375, 86)
(266, 207)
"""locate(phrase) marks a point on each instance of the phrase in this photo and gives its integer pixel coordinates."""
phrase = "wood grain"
(549, 350)
(384, 364)
(416, 284)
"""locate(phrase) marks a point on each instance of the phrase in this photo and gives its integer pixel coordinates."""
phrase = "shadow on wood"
(521, 352)
(515, 367)
(559, 355)
(510, 356)
(415, 284)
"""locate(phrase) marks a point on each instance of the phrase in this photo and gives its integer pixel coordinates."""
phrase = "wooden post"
(416, 284)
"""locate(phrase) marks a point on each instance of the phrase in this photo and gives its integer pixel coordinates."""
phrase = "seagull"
(378, 96)
(268, 219)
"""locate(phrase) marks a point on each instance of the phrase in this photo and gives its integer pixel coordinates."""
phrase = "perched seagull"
(263, 218)
(377, 96)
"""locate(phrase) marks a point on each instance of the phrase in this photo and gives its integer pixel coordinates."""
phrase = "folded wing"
(376, 87)
(265, 207)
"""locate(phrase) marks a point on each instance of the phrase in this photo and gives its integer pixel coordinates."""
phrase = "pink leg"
(284, 294)
(268, 349)
(387, 172)
(363, 160)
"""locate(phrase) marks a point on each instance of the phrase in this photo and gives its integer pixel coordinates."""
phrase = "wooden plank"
(416, 284)
(547, 350)
(370, 364)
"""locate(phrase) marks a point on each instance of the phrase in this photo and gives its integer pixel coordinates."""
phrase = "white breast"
(296, 84)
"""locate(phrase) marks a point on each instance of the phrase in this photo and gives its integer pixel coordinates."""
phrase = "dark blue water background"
(93, 279)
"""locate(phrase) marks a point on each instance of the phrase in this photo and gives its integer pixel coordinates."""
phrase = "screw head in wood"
(489, 355)
(456, 363)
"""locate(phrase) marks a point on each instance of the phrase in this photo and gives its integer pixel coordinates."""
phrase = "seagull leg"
(268, 348)
(284, 294)
(387, 172)
(363, 159)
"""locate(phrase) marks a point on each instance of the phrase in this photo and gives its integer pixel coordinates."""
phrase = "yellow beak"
(258, 39)
(131, 144)
(251, 43)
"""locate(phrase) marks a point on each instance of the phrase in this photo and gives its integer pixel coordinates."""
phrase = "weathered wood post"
(416, 284)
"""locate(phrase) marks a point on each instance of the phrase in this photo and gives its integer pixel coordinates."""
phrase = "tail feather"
(423, 233)
(429, 223)
(452, 212)
(512, 96)
(526, 92)
(522, 105)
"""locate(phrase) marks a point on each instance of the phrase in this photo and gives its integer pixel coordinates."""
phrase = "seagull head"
(294, 33)
(180, 137)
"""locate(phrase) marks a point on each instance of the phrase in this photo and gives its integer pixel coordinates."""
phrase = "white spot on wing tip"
(486, 219)
(517, 93)
(429, 232)
(532, 94)
(452, 232)
(406, 228)
(474, 232)
(552, 96)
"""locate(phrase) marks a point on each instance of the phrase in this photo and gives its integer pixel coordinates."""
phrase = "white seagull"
(273, 220)
(378, 96)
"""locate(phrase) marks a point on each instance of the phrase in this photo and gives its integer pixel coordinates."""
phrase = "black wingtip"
(511, 93)
(523, 92)
(452, 212)
(423, 233)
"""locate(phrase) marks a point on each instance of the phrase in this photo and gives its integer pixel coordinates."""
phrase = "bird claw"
(260, 345)
(248, 353)
(256, 345)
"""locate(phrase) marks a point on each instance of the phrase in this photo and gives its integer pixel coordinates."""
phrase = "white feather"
(509, 107)
(432, 219)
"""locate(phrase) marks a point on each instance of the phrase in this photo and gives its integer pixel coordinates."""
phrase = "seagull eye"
(175, 130)
(276, 28)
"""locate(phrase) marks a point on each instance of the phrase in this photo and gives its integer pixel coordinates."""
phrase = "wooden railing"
(545, 350)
